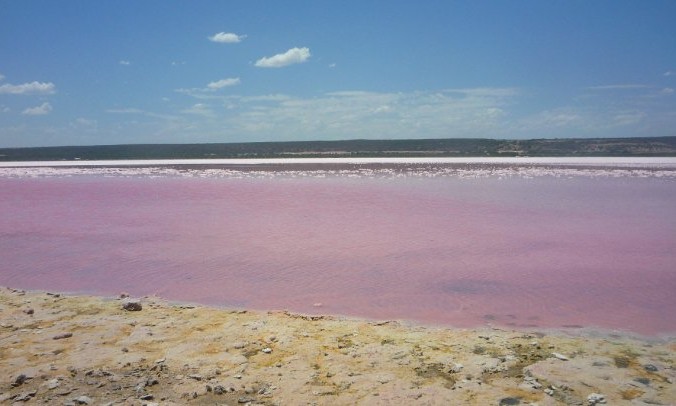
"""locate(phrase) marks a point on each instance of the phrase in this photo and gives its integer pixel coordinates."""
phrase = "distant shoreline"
(359, 148)
(586, 161)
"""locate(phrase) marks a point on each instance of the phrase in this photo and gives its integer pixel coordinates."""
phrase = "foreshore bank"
(62, 349)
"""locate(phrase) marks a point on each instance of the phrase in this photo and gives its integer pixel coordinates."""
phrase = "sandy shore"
(60, 349)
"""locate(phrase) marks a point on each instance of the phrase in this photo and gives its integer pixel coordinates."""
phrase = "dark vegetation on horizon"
(450, 147)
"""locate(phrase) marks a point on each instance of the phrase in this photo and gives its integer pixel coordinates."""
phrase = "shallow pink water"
(543, 252)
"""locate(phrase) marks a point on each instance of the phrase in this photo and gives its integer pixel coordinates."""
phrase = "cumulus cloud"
(40, 110)
(28, 88)
(226, 38)
(290, 57)
(219, 84)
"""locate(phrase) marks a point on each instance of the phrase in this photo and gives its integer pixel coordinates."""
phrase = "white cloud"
(223, 83)
(290, 57)
(227, 38)
(669, 73)
(28, 88)
(199, 109)
(667, 90)
(125, 63)
(2, 76)
(40, 110)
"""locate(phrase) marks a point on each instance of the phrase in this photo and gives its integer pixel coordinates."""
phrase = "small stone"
(644, 381)
(509, 401)
(53, 383)
(245, 400)
(596, 398)
(267, 350)
(456, 368)
(132, 305)
(124, 295)
(25, 396)
(19, 380)
(559, 356)
(62, 336)
(195, 377)
(147, 397)
(29, 311)
(219, 389)
(650, 368)
(549, 392)
(83, 400)
(239, 346)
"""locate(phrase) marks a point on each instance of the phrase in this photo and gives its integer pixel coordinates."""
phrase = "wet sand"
(61, 349)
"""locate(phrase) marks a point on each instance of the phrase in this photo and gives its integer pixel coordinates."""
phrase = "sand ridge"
(62, 349)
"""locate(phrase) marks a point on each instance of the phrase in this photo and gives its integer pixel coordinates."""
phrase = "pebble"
(83, 400)
(62, 336)
(132, 305)
(19, 380)
(25, 396)
(53, 384)
(650, 368)
(267, 350)
(457, 368)
(596, 398)
(559, 356)
(29, 311)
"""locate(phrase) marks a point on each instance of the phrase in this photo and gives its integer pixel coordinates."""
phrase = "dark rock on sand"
(62, 336)
(132, 305)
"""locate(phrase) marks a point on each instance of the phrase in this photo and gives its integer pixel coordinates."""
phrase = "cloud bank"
(290, 57)
(226, 38)
(223, 83)
(28, 88)
(41, 110)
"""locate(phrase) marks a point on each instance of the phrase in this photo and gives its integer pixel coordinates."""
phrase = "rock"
(25, 396)
(53, 383)
(83, 400)
(239, 346)
(650, 368)
(29, 311)
(267, 350)
(124, 295)
(62, 336)
(596, 398)
(549, 391)
(195, 377)
(219, 389)
(132, 305)
(559, 356)
(509, 401)
(245, 400)
(19, 380)
(644, 381)
(147, 397)
(456, 368)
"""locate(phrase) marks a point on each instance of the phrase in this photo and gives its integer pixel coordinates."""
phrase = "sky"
(81, 72)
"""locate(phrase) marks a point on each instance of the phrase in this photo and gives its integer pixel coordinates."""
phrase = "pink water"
(519, 252)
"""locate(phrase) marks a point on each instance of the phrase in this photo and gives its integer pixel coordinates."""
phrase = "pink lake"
(545, 252)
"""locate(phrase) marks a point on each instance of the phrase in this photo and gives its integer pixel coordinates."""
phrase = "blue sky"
(117, 72)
